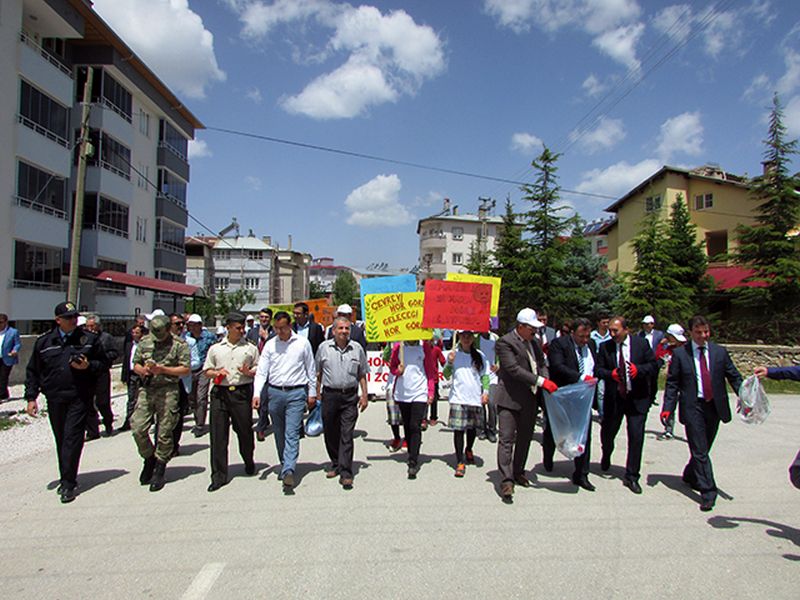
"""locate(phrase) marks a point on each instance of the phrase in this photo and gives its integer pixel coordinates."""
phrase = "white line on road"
(203, 581)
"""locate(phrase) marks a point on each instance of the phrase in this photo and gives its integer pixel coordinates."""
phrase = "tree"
(315, 290)
(479, 259)
(345, 288)
(510, 255)
(232, 302)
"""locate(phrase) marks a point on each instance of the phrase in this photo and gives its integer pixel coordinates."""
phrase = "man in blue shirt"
(9, 346)
(198, 397)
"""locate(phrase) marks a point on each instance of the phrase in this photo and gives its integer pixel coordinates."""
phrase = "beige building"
(718, 202)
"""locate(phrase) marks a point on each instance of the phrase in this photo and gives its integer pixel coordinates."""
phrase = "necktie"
(581, 363)
(622, 370)
(705, 376)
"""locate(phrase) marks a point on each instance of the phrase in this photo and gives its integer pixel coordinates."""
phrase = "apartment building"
(132, 254)
(247, 263)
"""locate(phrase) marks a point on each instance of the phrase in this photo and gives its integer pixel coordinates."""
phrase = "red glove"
(615, 375)
(590, 379)
(549, 386)
(633, 370)
(665, 415)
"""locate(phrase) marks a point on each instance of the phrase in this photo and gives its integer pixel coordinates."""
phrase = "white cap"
(220, 330)
(81, 321)
(156, 313)
(250, 318)
(345, 309)
(648, 319)
(676, 331)
(194, 318)
(527, 316)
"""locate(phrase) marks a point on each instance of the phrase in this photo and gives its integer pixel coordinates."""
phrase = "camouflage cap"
(159, 326)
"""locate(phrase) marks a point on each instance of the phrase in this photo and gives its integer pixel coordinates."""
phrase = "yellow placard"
(395, 317)
(495, 282)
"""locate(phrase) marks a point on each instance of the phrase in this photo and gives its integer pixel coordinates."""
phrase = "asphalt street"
(390, 537)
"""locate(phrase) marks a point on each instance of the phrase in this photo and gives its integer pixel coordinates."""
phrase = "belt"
(233, 388)
(343, 391)
(286, 388)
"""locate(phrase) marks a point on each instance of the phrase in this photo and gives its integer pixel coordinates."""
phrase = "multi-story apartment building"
(135, 204)
(446, 240)
(244, 263)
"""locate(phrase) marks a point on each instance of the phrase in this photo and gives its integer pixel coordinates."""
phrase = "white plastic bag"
(753, 405)
(569, 414)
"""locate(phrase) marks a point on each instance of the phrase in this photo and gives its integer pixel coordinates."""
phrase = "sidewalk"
(390, 537)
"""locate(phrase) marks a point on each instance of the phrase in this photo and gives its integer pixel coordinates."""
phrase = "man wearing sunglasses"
(64, 366)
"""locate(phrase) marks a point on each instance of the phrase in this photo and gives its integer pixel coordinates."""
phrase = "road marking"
(203, 581)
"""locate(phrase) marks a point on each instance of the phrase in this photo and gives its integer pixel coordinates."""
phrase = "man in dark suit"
(572, 359)
(696, 381)
(10, 345)
(654, 337)
(624, 363)
(521, 374)
(127, 375)
(546, 334)
(307, 328)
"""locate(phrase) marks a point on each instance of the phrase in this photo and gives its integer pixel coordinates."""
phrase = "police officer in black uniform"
(64, 366)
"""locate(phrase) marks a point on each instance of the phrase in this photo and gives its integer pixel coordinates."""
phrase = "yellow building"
(718, 202)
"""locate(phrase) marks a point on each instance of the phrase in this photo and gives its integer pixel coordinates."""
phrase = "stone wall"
(746, 356)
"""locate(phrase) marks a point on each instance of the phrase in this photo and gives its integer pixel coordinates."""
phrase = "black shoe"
(197, 431)
(605, 463)
(548, 464)
(215, 485)
(158, 480)
(412, 471)
(288, 481)
(705, 505)
(250, 468)
(147, 470)
(491, 436)
(68, 494)
(522, 481)
(126, 426)
(632, 486)
(584, 483)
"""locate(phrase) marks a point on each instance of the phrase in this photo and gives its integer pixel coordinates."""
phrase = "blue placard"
(386, 285)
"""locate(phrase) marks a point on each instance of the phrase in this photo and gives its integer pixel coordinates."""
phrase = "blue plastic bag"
(569, 413)
(313, 424)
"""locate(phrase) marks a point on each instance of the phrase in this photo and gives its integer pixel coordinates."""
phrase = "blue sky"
(621, 87)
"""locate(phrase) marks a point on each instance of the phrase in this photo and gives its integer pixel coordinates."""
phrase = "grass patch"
(9, 421)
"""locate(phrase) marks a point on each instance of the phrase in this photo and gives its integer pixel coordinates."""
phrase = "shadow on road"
(176, 473)
(778, 530)
(189, 449)
(92, 479)
(674, 483)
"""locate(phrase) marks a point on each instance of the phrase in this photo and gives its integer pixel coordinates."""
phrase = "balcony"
(105, 179)
(169, 257)
(110, 119)
(42, 147)
(101, 241)
(173, 160)
(33, 300)
(38, 222)
(433, 241)
(44, 71)
(172, 209)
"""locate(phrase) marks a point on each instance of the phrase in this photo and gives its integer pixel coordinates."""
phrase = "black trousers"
(433, 410)
(134, 384)
(230, 408)
(581, 462)
(263, 411)
(68, 421)
(514, 441)
(102, 405)
(609, 427)
(5, 373)
(701, 424)
(339, 416)
(183, 408)
(413, 413)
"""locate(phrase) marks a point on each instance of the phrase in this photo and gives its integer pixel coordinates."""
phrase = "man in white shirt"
(287, 368)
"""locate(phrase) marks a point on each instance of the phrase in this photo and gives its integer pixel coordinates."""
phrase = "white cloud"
(377, 204)
(526, 143)
(617, 179)
(675, 21)
(607, 134)
(198, 149)
(791, 117)
(254, 94)
(593, 86)
(253, 182)
(790, 80)
(432, 198)
(620, 44)
(682, 134)
(386, 55)
(170, 38)
(762, 87)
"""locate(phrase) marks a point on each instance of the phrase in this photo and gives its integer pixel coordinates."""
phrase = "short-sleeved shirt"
(173, 352)
(467, 388)
(412, 385)
(228, 356)
(341, 367)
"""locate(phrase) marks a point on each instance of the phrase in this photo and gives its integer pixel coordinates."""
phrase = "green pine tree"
(345, 289)
(509, 258)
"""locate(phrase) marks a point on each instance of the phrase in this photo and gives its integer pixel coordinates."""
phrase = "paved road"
(390, 538)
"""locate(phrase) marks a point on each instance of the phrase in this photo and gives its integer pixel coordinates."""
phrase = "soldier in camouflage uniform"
(161, 359)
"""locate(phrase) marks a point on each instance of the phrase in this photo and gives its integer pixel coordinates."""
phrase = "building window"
(458, 258)
(170, 236)
(143, 176)
(703, 201)
(106, 91)
(458, 233)
(251, 283)
(105, 214)
(601, 243)
(716, 245)
(137, 291)
(144, 123)
(652, 203)
(108, 153)
(43, 114)
(222, 283)
(171, 139)
(105, 287)
(170, 276)
(223, 254)
(172, 187)
(255, 254)
(141, 229)
(40, 188)
(37, 264)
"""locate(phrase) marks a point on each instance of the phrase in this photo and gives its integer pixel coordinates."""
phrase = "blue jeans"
(286, 408)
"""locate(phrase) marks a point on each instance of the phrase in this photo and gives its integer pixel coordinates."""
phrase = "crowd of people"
(282, 366)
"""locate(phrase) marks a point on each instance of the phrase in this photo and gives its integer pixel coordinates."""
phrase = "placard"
(457, 305)
(391, 284)
(495, 282)
(395, 317)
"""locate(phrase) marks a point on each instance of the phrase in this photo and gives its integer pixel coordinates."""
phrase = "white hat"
(648, 319)
(156, 313)
(220, 330)
(194, 318)
(345, 309)
(527, 316)
(676, 331)
(81, 321)
(250, 318)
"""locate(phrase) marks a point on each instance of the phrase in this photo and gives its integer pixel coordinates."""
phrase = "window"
(169, 236)
(221, 283)
(105, 287)
(223, 254)
(170, 138)
(255, 254)
(37, 264)
(141, 229)
(106, 91)
(105, 214)
(458, 233)
(142, 176)
(170, 276)
(172, 187)
(39, 187)
(458, 258)
(601, 243)
(43, 114)
(144, 123)
(251, 283)
(702, 201)
(137, 291)
(108, 153)
(652, 203)
(716, 245)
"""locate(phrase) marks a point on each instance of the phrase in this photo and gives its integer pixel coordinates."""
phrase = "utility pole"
(84, 150)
